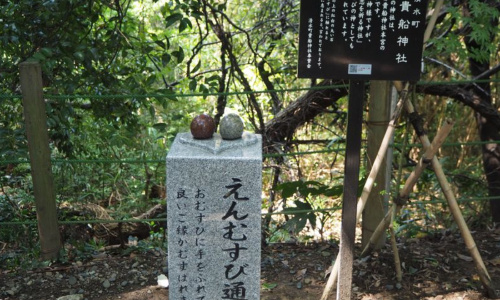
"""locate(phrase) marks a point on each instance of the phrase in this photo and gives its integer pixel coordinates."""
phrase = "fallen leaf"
(464, 257)
(300, 274)
(328, 271)
(495, 261)
(269, 286)
(323, 248)
(446, 269)
(325, 254)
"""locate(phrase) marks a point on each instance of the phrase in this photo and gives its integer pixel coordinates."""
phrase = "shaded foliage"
(221, 54)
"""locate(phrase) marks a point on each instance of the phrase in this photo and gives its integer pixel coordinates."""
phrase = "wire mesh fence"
(121, 183)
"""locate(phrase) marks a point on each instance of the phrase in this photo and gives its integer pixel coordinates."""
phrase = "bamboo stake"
(459, 219)
(397, 260)
(432, 20)
(395, 251)
(401, 200)
(382, 226)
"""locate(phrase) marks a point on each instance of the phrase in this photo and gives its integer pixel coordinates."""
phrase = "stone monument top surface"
(247, 147)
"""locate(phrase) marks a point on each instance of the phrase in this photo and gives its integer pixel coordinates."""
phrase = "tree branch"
(222, 35)
(466, 97)
(281, 129)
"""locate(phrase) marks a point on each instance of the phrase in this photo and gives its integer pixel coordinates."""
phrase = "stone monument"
(214, 217)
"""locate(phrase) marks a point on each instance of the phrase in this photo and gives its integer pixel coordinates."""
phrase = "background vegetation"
(123, 77)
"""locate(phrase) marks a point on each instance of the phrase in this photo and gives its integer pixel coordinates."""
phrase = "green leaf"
(269, 286)
(179, 54)
(151, 80)
(152, 111)
(47, 52)
(38, 56)
(204, 89)
(302, 205)
(213, 78)
(302, 213)
(308, 188)
(161, 44)
(312, 219)
(162, 127)
(197, 67)
(185, 23)
(165, 59)
(296, 224)
(287, 189)
(79, 56)
(170, 20)
(192, 85)
(336, 191)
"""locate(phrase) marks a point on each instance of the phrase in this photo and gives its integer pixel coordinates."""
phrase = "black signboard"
(361, 39)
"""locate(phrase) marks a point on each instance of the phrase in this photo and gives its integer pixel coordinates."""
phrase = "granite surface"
(231, 127)
(214, 217)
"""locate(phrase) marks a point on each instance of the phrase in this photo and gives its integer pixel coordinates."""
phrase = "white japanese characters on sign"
(380, 33)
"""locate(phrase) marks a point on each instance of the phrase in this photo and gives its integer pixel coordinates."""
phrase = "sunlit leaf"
(269, 286)
(173, 18)
(162, 127)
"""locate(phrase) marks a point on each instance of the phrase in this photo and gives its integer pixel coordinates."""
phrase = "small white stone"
(163, 281)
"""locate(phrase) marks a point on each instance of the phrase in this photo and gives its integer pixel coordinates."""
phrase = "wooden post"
(370, 181)
(351, 182)
(35, 119)
(379, 115)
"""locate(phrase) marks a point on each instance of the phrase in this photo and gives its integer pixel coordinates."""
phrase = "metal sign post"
(351, 182)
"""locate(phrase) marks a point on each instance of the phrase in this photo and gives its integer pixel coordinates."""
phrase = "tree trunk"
(379, 115)
(487, 130)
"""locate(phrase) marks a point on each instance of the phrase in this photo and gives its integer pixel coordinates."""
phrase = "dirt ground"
(434, 267)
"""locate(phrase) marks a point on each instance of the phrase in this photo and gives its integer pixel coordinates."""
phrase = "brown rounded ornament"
(202, 127)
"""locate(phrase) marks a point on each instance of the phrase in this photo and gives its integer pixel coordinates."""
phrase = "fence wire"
(267, 155)
(64, 177)
(187, 95)
(173, 96)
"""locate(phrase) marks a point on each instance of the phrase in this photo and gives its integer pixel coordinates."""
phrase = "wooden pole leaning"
(395, 251)
(35, 119)
(485, 278)
(430, 151)
(402, 199)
